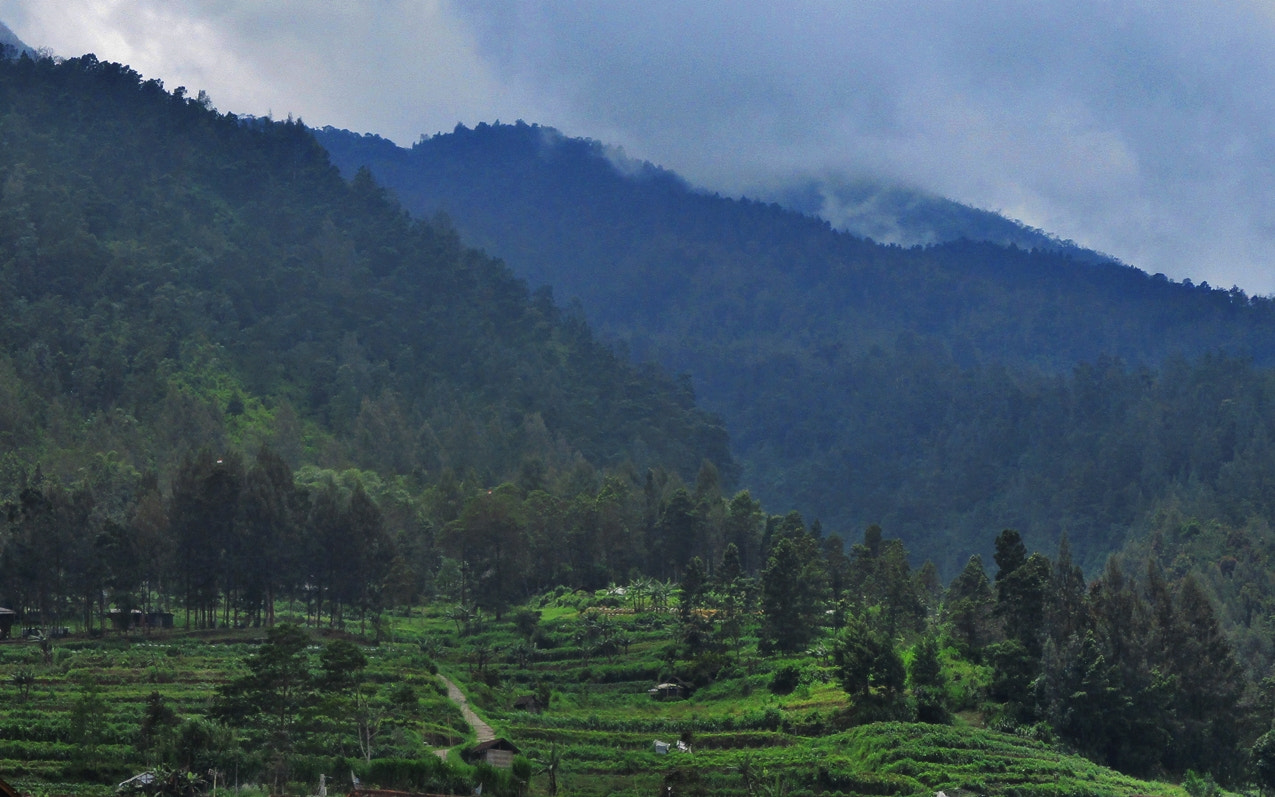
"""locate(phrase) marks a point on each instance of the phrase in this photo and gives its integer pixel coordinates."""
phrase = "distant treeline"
(229, 538)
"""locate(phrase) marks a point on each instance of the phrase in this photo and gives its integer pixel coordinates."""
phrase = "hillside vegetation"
(87, 713)
(941, 391)
(172, 278)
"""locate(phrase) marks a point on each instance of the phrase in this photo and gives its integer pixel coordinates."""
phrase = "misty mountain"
(943, 391)
(579, 216)
(893, 214)
(9, 40)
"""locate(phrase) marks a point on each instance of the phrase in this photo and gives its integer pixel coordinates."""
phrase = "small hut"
(7, 618)
(527, 703)
(159, 619)
(672, 689)
(125, 620)
(496, 753)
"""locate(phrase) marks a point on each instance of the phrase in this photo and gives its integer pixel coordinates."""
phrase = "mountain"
(942, 391)
(179, 288)
(894, 214)
(9, 39)
(173, 278)
(565, 211)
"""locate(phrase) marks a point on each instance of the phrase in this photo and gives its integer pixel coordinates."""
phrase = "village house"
(496, 753)
(672, 689)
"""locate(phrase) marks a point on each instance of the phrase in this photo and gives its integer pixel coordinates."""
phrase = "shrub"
(23, 680)
(786, 679)
(866, 783)
(404, 696)
(1198, 785)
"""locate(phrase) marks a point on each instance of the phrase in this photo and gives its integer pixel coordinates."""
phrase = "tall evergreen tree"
(1021, 596)
(268, 508)
(969, 606)
(870, 668)
(1209, 685)
(929, 684)
(272, 695)
(793, 594)
(677, 535)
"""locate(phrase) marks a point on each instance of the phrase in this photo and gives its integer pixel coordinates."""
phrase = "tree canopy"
(172, 278)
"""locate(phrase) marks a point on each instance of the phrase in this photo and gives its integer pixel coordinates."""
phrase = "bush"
(429, 774)
(404, 696)
(769, 720)
(786, 679)
(866, 783)
(1198, 785)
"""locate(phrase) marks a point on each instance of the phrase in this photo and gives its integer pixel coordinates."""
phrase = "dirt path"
(482, 730)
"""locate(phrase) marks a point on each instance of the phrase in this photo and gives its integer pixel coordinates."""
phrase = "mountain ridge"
(922, 388)
(894, 214)
(459, 171)
(9, 39)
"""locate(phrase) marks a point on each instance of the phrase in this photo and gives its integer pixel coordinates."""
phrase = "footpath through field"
(482, 731)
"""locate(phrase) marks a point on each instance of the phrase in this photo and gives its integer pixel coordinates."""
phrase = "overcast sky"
(1145, 130)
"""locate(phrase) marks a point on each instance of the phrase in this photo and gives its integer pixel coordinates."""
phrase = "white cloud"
(397, 67)
(1146, 130)
(1140, 129)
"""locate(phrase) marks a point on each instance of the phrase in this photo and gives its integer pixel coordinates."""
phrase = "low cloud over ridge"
(1143, 130)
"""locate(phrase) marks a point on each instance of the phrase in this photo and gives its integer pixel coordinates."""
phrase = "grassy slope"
(744, 738)
(741, 734)
(38, 749)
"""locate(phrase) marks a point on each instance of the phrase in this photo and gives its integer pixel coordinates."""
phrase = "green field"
(75, 715)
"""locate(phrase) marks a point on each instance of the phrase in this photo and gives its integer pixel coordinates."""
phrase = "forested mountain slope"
(10, 45)
(173, 278)
(940, 391)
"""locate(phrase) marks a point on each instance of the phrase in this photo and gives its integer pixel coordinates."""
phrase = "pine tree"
(929, 683)
(870, 668)
(969, 606)
(793, 593)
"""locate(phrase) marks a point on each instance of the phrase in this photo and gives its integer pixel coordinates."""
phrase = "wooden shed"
(672, 689)
(496, 753)
(7, 618)
(159, 619)
(125, 620)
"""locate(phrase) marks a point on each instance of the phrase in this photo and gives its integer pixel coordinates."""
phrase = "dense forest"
(938, 391)
(174, 278)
